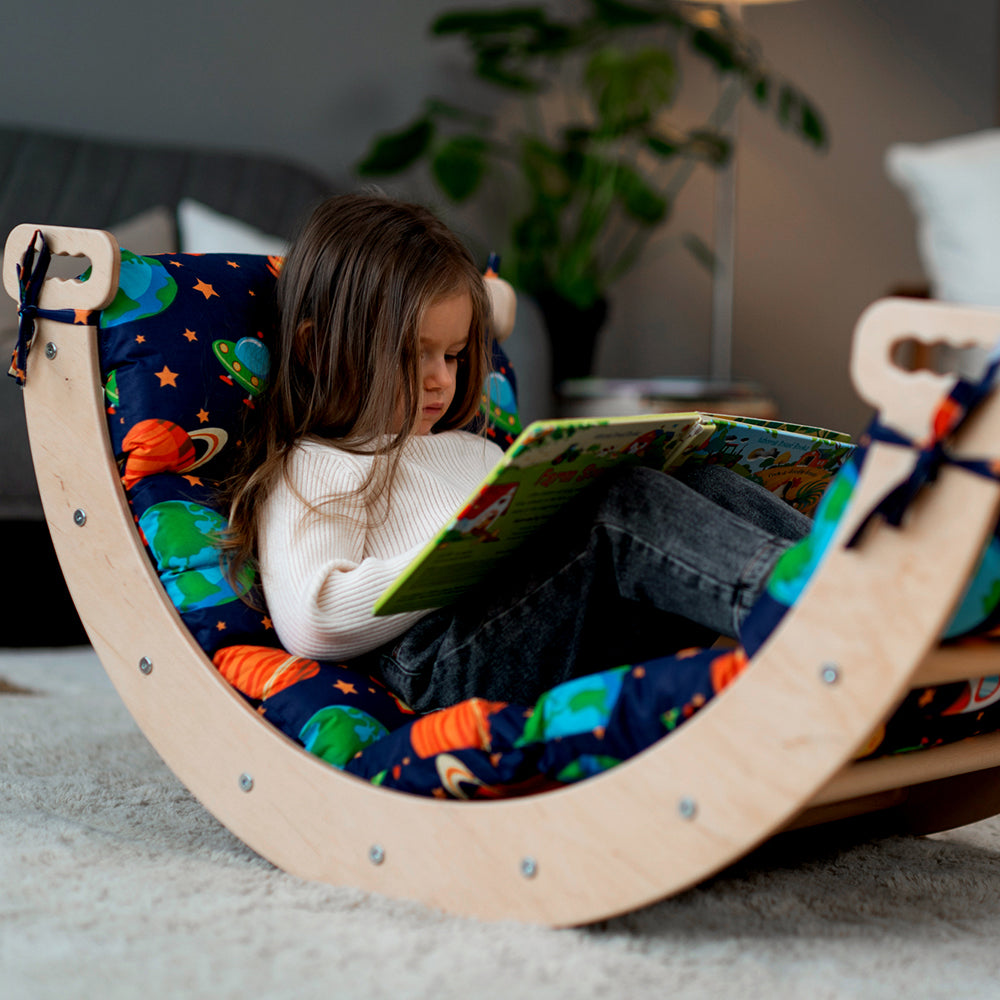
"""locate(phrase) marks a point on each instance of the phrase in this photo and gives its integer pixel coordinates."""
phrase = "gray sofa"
(134, 191)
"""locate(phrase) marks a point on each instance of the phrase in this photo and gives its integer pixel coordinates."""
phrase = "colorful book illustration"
(554, 460)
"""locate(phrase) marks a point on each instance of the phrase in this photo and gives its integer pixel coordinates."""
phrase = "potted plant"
(592, 166)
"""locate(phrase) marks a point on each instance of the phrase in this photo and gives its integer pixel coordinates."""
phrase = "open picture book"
(552, 461)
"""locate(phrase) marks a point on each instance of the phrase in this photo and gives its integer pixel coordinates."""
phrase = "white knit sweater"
(323, 574)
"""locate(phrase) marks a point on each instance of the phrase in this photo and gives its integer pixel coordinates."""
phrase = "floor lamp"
(724, 235)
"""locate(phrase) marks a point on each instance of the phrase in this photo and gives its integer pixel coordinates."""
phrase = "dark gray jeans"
(640, 565)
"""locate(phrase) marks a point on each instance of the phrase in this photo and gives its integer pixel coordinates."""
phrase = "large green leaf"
(552, 39)
(575, 274)
(638, 198)
(761, 88)
(493, 64)
(398, 150)
(459, 165)
(577, 136)
(812, 125)
(503, 40)
(616, 14)
(489, 22)
(717, 48)
(666, 141)
(662, 147)
(628, 88)
(538, 230)
(796, 112)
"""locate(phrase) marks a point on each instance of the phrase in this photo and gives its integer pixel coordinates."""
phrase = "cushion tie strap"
(951, 414)
(31, 274)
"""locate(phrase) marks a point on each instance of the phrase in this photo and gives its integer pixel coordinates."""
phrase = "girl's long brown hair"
(351, 296)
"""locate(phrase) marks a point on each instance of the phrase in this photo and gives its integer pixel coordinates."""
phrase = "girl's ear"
(303, 337)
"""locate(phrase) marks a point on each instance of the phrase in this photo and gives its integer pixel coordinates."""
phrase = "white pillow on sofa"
(204, 230)
(953, 186)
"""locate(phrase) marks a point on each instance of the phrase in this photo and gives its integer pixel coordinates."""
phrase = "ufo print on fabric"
(501, 403)
(247, 363)
(111, 389)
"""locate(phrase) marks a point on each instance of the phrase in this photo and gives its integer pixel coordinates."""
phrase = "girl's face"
(444, 335)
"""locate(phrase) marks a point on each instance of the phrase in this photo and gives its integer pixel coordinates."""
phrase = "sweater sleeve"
(321, 582)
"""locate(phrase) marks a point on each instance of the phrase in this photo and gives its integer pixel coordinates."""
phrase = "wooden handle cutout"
(907, 399)
(99, 247)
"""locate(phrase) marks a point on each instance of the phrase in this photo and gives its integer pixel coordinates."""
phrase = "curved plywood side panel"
(745, 767)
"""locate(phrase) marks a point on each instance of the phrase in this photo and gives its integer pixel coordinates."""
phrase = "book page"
(551, 462)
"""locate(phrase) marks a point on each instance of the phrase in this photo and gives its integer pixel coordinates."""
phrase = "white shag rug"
(114, 883)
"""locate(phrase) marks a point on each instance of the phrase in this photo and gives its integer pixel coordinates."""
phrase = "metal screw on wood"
(830, 673)
(529, 867)
(687, 808)
(51, 350)
(79, 517)
(146, 666)
(376, 854)
(246, 782)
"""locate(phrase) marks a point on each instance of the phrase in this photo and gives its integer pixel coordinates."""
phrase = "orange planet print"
(156, 446)
(464, 726)
(260, 672)
(727, 667)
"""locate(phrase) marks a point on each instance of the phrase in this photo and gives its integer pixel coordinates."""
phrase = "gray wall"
(818, 237)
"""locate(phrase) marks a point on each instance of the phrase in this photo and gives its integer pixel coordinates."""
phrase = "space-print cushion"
(978, 613)
(927, 717)
(185, 357)
(185, 353)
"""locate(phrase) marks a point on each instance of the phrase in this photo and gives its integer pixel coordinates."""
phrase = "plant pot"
(573, 334)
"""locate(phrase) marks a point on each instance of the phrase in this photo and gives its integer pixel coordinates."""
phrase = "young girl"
(362, 458)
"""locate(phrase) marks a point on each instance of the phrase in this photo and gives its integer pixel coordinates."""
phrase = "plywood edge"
(680, 811)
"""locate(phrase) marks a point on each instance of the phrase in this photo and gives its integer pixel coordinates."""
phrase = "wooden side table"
(601, 397)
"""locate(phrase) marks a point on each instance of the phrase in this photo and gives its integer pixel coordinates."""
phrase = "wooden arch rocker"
(772, 752)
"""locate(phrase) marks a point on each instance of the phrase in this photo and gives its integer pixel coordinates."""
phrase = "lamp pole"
(724, 245)
(724, 224)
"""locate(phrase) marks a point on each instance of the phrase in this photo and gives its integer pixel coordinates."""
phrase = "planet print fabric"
(487, 750)
(927, 717)
(184, 362)
(185, 352)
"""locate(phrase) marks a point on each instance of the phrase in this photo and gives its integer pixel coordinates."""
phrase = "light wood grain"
(901, 770)
(970, 661)
(742, 769)
(907, 400)
(99, 247)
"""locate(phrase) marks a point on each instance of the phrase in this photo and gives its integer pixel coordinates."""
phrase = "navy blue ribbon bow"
(951, 414)
(31, 274)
